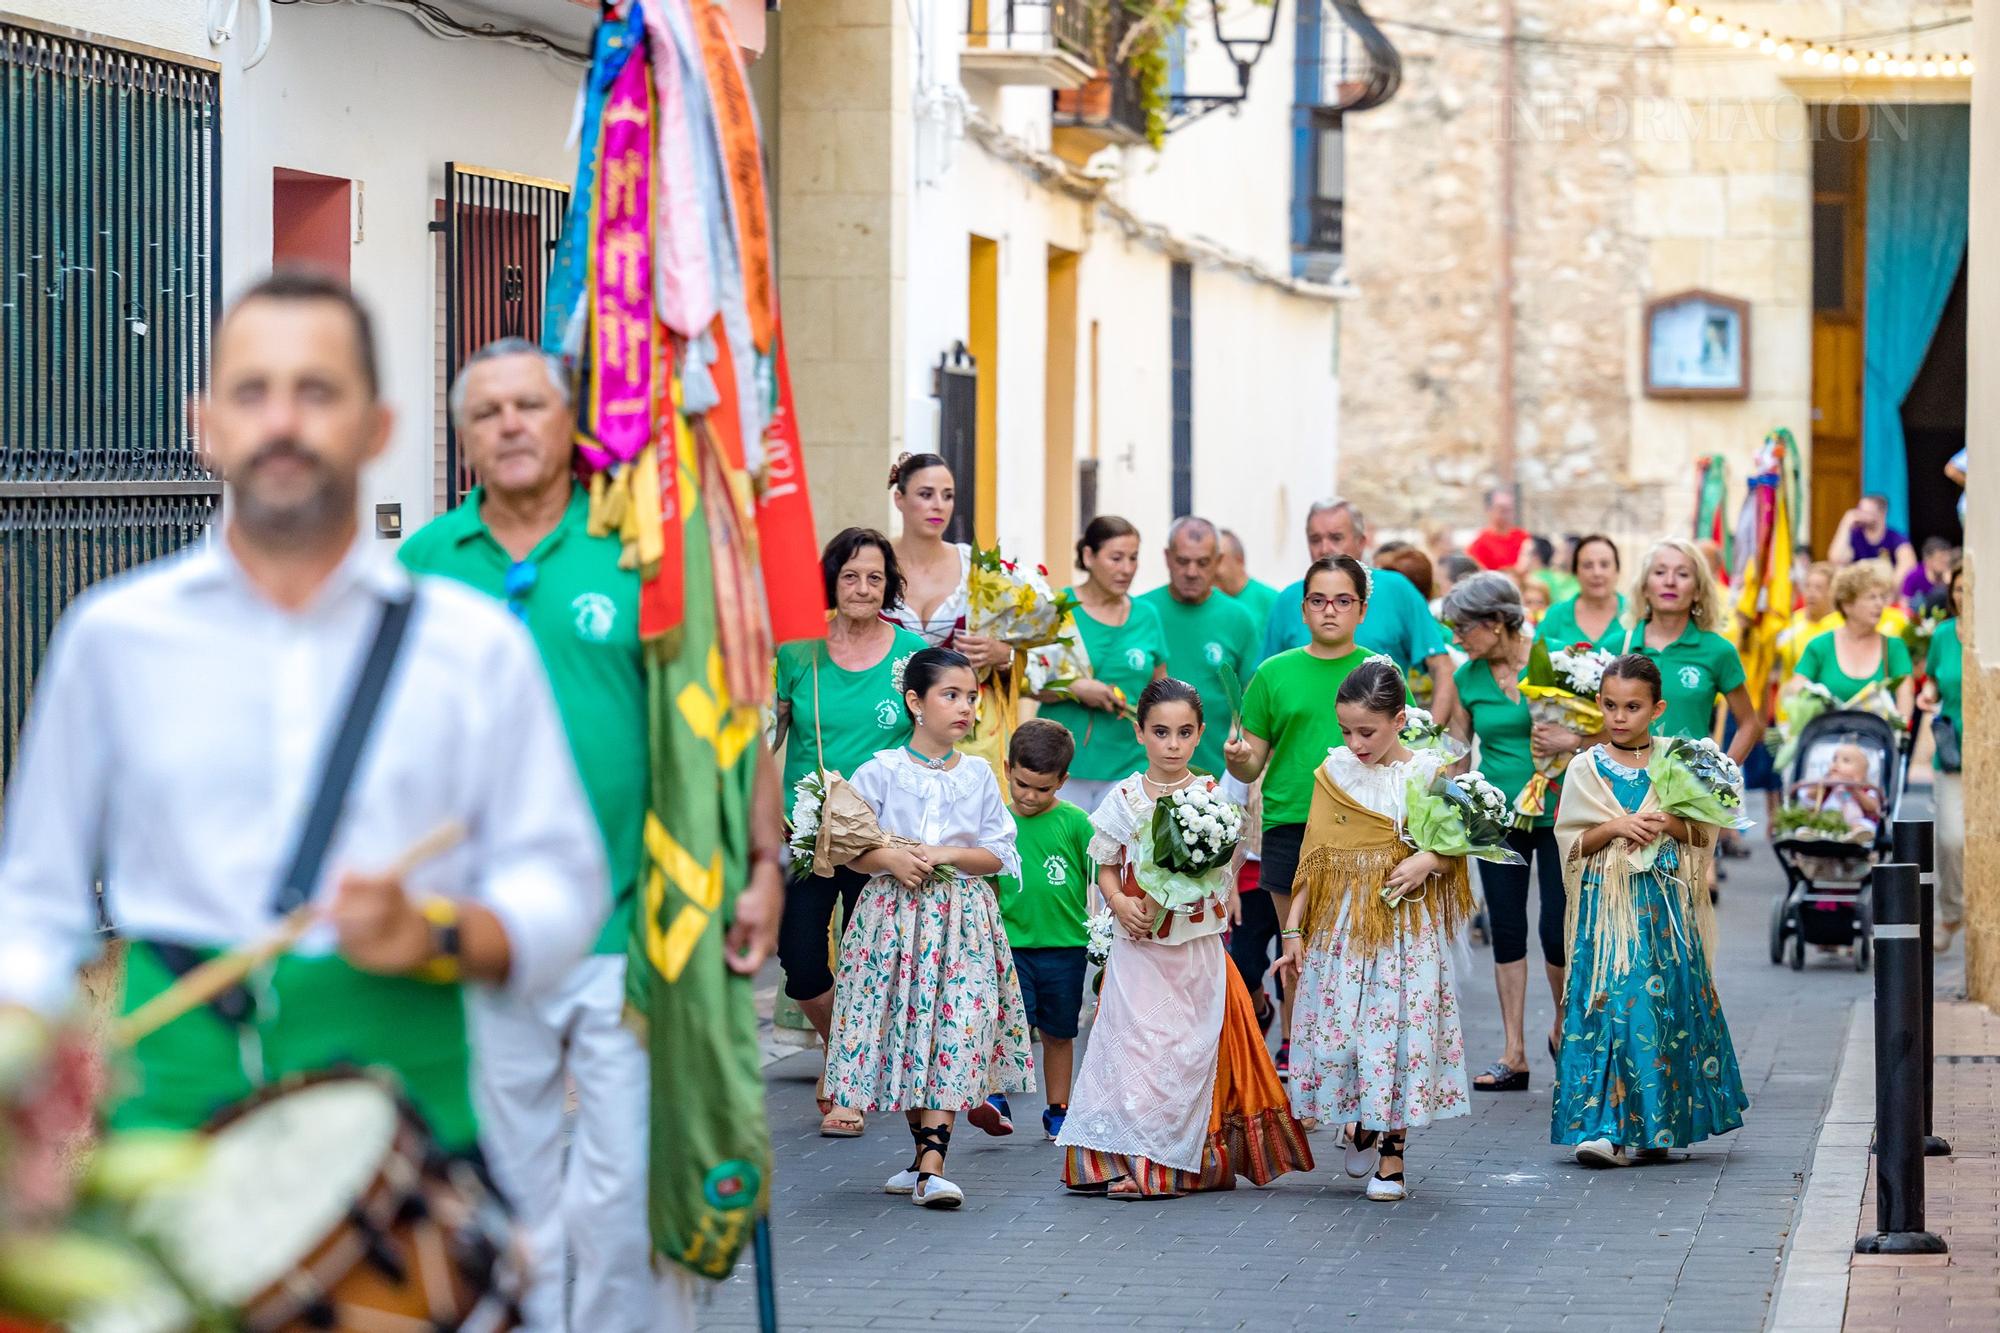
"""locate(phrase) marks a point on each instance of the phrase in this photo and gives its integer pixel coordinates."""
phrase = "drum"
(323, 1204)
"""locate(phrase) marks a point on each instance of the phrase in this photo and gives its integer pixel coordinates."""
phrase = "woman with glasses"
(1488, 616)
(1288, 728)
(838, 701)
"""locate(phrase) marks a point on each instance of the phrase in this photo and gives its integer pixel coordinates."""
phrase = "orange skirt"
(1251, 1131)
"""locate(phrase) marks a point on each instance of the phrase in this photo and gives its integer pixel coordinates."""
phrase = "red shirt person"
(1498, 545)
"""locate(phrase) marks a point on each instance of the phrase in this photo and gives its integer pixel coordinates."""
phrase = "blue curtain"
(1918, 165)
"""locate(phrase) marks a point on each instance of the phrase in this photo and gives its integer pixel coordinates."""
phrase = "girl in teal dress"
(1646, 1062)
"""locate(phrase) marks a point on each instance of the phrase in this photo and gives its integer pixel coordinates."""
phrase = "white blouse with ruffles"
(945, 807)
(1116, 828)
(1383, 788)
(945, 622)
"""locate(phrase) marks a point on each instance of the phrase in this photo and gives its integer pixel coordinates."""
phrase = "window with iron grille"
(1182, 305)
(110, 175)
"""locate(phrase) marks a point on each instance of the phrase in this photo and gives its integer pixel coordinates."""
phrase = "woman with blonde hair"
(1675, 608)
(1856, 654)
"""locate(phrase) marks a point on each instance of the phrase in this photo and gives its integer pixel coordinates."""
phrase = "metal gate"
(500, 233)
(955, 384)
(110, 180)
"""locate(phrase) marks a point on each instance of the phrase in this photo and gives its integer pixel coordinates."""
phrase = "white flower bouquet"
(1462, 816)
(808, 797)
(1799, 705)
(1103, 929)
(1194, 837)
(1561, 689)
(1421, 732)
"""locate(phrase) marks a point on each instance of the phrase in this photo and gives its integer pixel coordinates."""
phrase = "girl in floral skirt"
(1375, 1032)
(927, 1016)
(1177, 1091)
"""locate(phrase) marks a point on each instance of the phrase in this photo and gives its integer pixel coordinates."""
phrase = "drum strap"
(329, 798)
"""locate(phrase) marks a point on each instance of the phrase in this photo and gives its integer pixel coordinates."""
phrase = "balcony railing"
(1346, 63)
(1109, 108)
(1040, 43)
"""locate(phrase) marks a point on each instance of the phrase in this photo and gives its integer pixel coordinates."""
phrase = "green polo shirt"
(1199, 639)
(583, 612)
(1506, 732)
(1947, 667)
(1126, 656)
(1398, 622)
(1560, 630)
(1820, 663)
(1694, 669)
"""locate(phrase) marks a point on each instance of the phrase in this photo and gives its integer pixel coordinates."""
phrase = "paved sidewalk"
(1961, 1193)
(1502, 1230)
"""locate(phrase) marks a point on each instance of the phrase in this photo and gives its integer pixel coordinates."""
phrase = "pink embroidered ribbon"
(622, 277)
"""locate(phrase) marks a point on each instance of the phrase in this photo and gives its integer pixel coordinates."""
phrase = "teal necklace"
(925, 759)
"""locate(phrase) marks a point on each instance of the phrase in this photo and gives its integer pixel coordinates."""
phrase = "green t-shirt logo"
(886, 714)
(1690, 678)
(1055, 871)
(1135, 658)
(1213, 652)
(594, 615)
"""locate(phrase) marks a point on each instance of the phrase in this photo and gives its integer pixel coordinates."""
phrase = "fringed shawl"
(1347, 853)
(1588, 801)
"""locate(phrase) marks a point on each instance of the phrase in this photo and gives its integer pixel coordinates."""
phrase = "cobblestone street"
(1502, 1230)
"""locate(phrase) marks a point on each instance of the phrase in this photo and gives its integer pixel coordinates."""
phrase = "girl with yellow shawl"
(1376, 1043)
(1646, 1063)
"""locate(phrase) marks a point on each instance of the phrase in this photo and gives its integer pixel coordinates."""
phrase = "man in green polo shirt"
(1204, 629)
(522, 537)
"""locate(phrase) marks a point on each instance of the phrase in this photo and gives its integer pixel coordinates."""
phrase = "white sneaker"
(937, 1192)
(902, 1182)
(1601, 1153)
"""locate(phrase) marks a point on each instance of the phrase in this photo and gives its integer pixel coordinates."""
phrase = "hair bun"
(896, 469)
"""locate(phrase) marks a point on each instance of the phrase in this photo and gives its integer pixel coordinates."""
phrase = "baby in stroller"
(1846, 791)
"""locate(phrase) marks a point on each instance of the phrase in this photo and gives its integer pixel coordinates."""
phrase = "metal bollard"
(1899, 1044)
(1916, 844)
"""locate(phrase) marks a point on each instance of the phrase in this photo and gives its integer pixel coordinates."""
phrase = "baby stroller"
(1825, 901)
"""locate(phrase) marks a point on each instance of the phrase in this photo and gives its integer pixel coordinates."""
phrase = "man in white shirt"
(180, 729)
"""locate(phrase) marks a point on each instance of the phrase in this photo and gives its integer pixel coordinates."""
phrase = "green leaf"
(1541, 671)
(1232, 693)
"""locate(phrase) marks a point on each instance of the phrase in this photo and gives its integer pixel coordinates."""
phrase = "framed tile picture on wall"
(1697, 346)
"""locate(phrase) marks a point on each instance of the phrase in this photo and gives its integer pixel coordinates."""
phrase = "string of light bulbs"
(1829, 55)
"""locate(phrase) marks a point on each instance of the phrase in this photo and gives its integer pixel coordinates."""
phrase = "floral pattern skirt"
(1375, 1036)
(927, 1011)
(1646, 1058)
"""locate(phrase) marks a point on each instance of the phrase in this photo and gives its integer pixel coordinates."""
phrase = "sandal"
(841, 1122)
(1138, 1192)
(1501, 1077)
(1362, 1153)
(931, 1189)
(1388, 1187)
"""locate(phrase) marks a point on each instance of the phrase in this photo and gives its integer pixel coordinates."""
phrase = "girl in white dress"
(1375, 1034)
(927, 1012)
(1177, 1091)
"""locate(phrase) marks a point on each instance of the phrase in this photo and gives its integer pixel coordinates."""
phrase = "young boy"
(1046, 912)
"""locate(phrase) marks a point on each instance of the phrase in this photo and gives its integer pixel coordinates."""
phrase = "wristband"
(447, 963)
(1291, 934)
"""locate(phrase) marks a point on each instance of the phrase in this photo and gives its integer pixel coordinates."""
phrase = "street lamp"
(1251, 27)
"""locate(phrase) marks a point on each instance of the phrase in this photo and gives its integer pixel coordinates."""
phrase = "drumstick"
(218, 974)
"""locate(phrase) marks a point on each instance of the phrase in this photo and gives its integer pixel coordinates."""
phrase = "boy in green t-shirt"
(1046, 911)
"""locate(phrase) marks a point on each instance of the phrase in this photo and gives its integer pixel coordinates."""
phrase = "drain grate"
(1969, 1059)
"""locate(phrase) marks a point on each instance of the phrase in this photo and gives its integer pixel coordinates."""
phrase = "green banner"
(710, 1148)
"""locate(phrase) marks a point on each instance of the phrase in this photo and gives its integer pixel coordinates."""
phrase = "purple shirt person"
(1864, 534)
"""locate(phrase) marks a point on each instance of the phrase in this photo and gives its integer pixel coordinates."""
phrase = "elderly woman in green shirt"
(1944, 697)
(1856, 654)
(1488, 617)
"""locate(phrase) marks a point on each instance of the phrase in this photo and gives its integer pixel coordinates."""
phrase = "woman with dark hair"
(838, 701)
(927, 1013)
(1119, 649)
(1592, 616)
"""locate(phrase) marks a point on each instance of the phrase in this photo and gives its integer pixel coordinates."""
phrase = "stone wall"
(1640, 171)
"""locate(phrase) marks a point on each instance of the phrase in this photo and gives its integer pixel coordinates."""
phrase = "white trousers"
(1948, 795)
(592, 1201)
